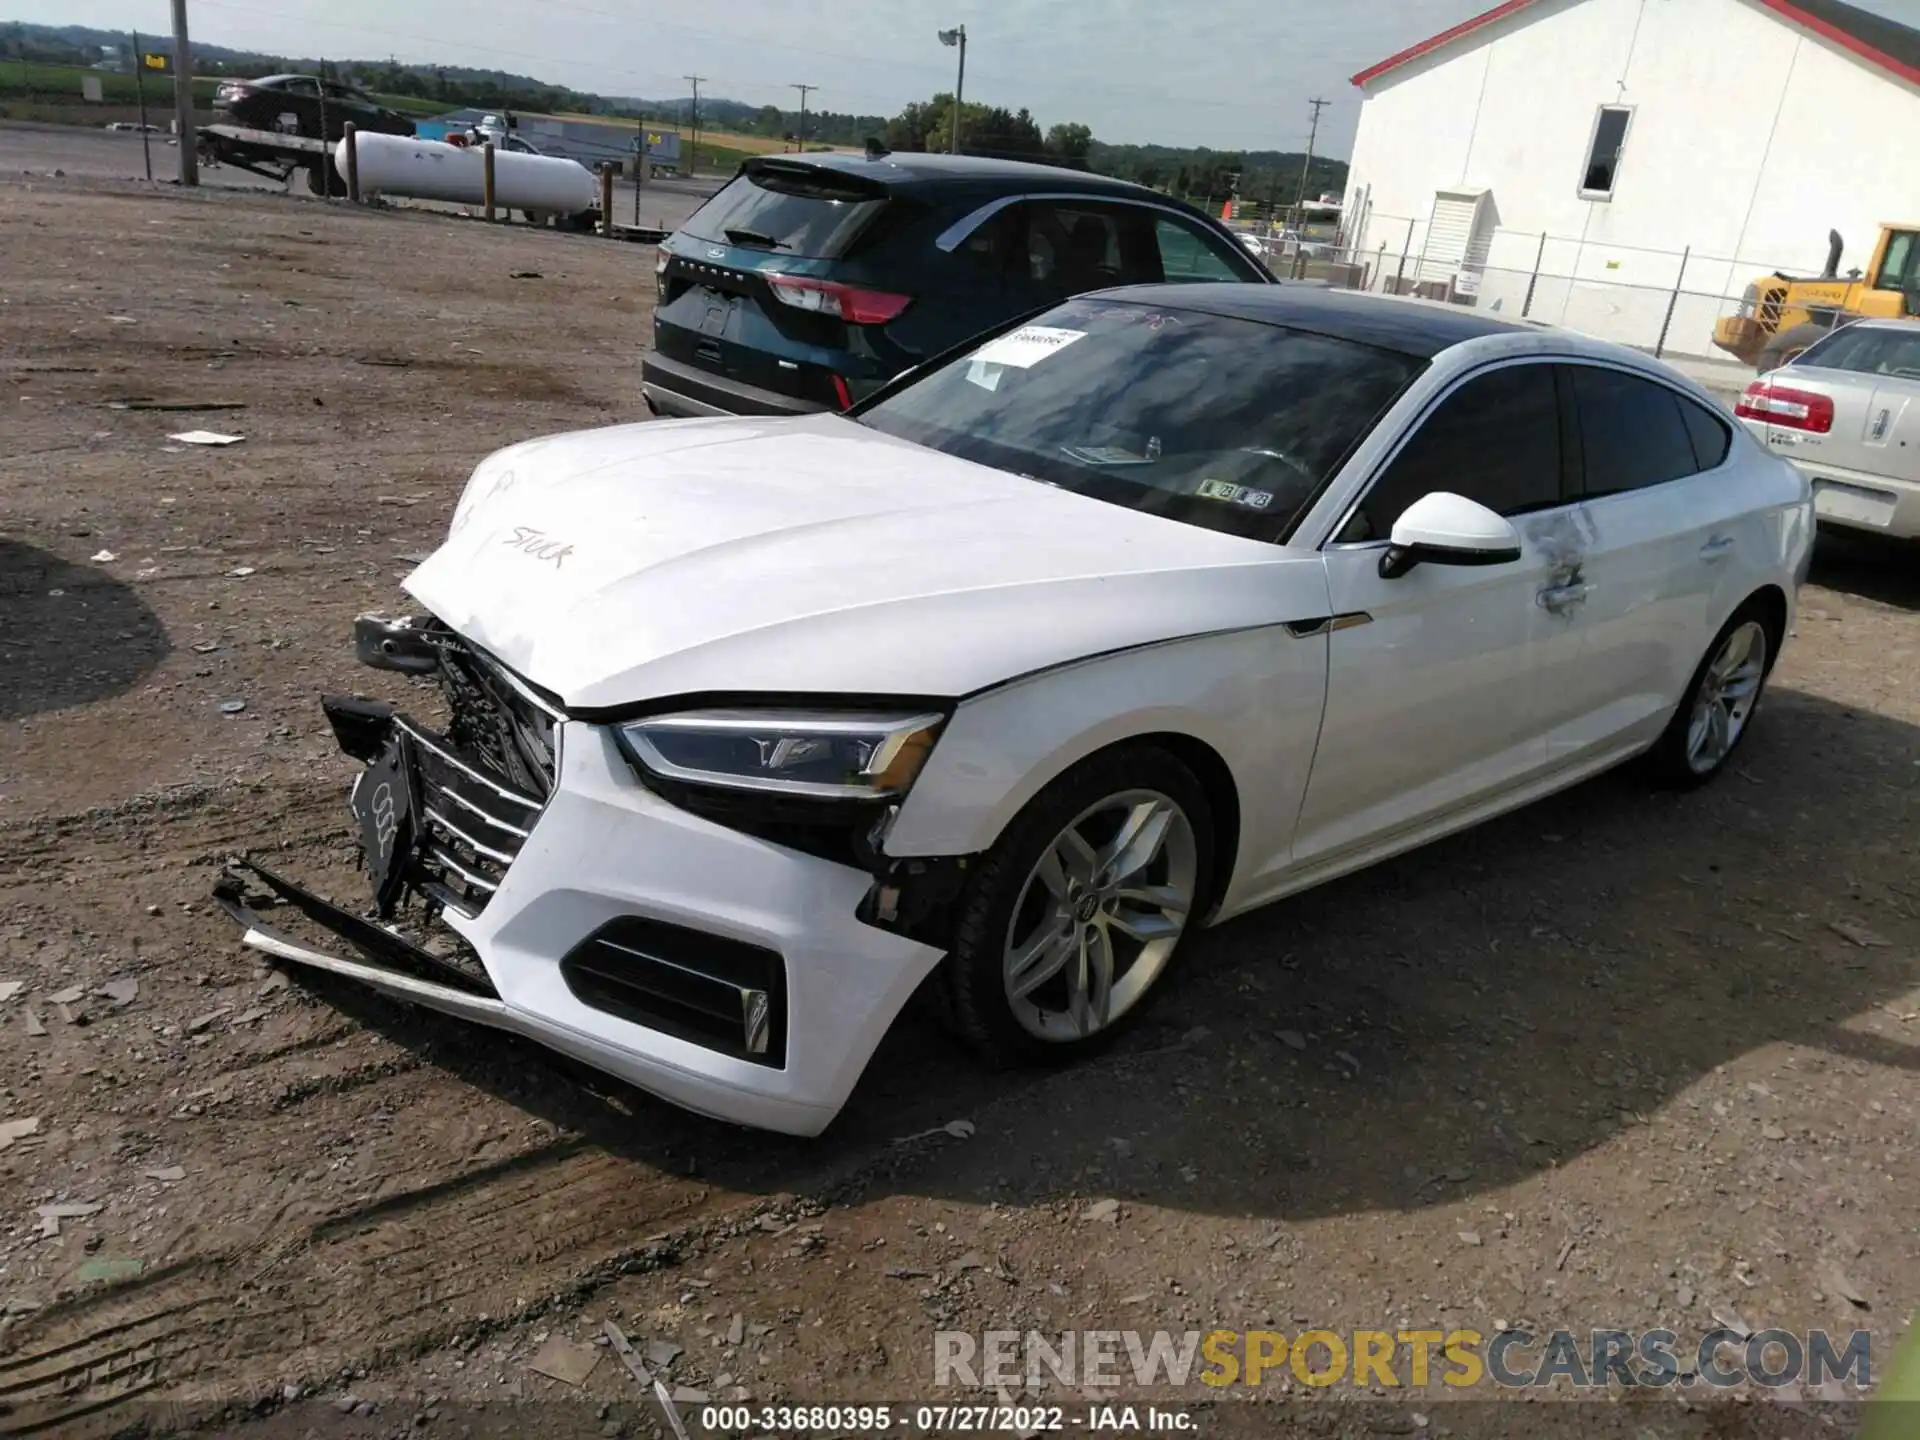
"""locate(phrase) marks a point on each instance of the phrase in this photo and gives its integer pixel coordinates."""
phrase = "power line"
(804, 89)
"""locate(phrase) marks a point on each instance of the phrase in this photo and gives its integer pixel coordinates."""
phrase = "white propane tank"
(432, 170)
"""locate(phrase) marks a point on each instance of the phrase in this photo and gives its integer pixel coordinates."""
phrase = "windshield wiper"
(742, 236)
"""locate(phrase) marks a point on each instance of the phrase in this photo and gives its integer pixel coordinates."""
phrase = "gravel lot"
(1621, 1060)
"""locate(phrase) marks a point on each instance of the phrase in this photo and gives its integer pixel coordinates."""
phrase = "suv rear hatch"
(754, 288)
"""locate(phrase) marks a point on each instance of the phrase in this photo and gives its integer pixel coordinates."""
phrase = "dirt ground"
(1622, 1060)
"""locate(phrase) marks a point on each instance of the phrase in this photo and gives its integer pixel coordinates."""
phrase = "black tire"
(975, 1002)
(1789, 345)
(317, 178)
(1669, 762)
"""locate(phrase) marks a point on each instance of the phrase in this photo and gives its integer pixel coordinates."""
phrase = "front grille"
(714, 992)
(484, 783)
(473, 823)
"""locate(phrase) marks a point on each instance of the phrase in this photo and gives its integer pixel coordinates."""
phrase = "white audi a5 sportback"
(1172, 602)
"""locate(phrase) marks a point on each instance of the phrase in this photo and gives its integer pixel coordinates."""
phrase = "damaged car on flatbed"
(1107, 627)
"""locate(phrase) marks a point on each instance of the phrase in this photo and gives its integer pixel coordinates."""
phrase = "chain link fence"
(1662, 301)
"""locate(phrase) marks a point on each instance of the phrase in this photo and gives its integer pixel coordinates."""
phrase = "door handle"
(1718, 548)
(1559, 599)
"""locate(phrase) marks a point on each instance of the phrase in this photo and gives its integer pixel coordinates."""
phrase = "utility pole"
(140, 95)
(957, 36)
(1307, 168)
(803, 89)
(693, 158)
(183, 97)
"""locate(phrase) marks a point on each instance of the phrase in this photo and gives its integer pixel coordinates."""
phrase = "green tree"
(1069, 141)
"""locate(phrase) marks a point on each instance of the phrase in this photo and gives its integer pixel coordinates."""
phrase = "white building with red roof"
(1608, 164)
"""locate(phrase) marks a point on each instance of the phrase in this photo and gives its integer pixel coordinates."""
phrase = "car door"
(1434, 676)
(1661, 520)
(300, 98)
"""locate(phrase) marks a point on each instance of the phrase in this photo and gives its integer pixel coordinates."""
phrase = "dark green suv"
(808, 282)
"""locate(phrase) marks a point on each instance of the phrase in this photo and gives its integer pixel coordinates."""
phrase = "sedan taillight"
(1787, 407)
(851, 303)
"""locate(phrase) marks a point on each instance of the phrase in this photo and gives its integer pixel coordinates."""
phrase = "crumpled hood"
(813, 556)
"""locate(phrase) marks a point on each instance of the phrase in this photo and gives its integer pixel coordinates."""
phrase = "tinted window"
(1603, 159)
(1187, 254)
(1496, 440)
(1076, 247)
(1632, 431)
(798, 212)
(1228, 424)
(1709, 433)
(1869, 350)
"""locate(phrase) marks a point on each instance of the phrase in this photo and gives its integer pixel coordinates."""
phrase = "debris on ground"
(565, 1360)
(122, 991)
(166, 1172)
(34, 1025)
(177, 405)
(1102, 1212)
(958, 1129)
(102, 1268)
(206, 437)
(1293, 1040)
(52, 1215)
(1855, 933)
(12, 1130)
(10, 988)
(104, 557)
(232, 707)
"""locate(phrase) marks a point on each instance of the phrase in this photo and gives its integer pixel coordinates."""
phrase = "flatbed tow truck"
(272, 154)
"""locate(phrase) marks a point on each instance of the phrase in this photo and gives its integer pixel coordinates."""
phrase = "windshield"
(1229, 424)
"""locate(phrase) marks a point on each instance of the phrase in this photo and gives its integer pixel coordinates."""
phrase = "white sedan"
(1178, 601)
(1847, 412)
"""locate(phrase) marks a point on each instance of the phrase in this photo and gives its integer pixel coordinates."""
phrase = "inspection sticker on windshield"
(1027, 346)
(1235, 494)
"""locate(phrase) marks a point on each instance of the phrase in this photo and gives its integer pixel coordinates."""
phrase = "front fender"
(1254, 696)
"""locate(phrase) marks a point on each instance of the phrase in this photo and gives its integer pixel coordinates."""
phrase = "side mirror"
(1447, 529)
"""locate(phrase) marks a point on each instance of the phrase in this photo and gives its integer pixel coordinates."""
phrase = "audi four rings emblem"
(386, 824)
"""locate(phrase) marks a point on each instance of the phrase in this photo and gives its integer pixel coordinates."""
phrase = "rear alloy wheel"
(1714, 716)
(1076, 914)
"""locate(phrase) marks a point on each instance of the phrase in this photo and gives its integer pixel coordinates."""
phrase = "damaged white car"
(1173, 602)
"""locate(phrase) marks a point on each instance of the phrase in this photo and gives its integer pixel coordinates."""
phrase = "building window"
(1603, 153)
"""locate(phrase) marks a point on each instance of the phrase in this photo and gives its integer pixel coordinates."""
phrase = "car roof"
(1422, 328)
(280, 79)
(914, 167)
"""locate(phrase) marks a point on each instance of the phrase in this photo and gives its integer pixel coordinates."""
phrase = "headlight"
(809, 755)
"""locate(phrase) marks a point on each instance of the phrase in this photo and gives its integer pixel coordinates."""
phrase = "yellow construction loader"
(1782, 315)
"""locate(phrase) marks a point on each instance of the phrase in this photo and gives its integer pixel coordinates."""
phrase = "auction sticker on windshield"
(1236, 494)
(1027, 346)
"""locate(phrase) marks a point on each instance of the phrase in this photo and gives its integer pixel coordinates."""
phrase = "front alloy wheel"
(1099, 915)
(1075, 914)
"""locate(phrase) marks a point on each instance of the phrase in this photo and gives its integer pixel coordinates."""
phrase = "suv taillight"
(1786, 407)
(851, 303)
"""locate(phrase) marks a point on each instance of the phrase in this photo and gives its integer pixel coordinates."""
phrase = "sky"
(1232, 74)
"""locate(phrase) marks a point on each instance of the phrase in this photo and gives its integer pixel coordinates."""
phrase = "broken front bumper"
(727, 974)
